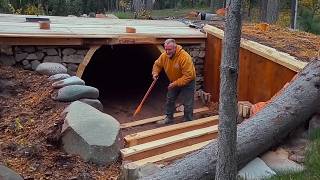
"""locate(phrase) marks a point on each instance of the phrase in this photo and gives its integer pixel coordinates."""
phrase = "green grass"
(123, 15)
(312, 162)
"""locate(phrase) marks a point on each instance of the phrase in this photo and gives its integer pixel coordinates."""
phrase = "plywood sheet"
(75, 27)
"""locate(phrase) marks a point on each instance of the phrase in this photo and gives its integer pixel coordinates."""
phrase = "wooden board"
(155, 119)
(167, 131)
(73, 27)
(272, 54)
(86, 60)
(168, 144)
(259, 78)
(171, 154)
(211, 67)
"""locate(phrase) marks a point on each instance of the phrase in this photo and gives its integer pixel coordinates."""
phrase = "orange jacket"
(180, 69)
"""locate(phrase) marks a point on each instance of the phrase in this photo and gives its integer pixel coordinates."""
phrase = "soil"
(302, 45)
(30, 124)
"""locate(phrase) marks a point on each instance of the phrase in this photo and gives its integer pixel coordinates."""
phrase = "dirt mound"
(29, 124)
(302, 45)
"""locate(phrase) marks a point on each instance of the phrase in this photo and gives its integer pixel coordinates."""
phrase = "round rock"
(74, 80)
(76, 92)
(51, 68)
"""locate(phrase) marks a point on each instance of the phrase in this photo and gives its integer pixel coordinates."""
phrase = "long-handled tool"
(145, 97)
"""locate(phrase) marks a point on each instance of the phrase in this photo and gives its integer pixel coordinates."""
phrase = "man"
(178, 66)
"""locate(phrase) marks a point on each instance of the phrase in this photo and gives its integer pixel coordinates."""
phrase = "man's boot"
(166, 120)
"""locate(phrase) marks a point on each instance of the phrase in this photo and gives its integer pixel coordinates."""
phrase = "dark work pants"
(187, 93)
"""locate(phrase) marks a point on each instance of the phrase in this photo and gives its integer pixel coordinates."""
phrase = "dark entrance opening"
(122, 73)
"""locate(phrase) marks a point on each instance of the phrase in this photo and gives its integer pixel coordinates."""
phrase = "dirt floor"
(122, 106)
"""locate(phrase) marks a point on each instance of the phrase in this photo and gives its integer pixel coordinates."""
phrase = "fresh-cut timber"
(166, 131)
(289, 110)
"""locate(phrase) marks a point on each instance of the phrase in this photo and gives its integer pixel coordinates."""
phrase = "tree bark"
(295, 105)
(263, 10)
(137, 5)
(273, 11)
(228, 113)
(149, 5)
(294, 7)
(250, 9)
(212, 3)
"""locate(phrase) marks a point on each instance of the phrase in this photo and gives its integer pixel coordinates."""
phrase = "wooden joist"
(166, 131)
(171, 154)
(155, 119)
(160, 146)
(25, 40)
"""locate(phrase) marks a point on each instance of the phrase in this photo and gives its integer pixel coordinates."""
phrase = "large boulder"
(280, 163)
(49, 69)
(256, 169)
(94, 103)
(91, 134)
(76, 92)
(74, 80)
(8, 174)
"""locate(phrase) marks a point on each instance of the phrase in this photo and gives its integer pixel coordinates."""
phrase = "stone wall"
(31, 56)
(197, 52)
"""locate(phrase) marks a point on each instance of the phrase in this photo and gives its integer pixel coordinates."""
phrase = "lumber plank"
(171, 154)
(272, 54)
(157, 118)
(160, 146)
(166, 131)
(39, 41)
(160, 48)
(86, 60)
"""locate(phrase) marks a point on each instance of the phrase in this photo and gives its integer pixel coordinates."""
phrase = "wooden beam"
(39, 41)
(184, 40)
(89, 41)
(163, 132)
(170, 155)
(158, 118)
(160, 48)
(134, 40)
(86, 60)
(272, 54)
(168, 144)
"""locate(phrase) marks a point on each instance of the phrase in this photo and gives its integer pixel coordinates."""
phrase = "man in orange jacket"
(178, 66)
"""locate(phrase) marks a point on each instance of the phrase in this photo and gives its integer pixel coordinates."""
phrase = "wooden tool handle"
(145, 96)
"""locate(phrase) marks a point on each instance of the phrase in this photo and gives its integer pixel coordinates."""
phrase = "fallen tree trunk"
(295, 105)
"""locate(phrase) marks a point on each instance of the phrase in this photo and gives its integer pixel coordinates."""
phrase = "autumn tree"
(269, 10)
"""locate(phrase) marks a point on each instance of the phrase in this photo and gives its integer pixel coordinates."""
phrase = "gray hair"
(168, 41)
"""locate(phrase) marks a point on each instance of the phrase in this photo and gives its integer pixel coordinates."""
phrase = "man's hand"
(171, 85)
(155, 76)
